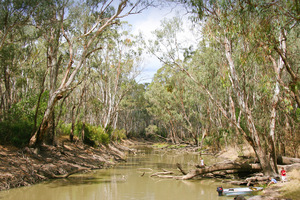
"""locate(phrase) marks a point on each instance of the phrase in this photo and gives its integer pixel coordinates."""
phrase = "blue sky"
(146, 23)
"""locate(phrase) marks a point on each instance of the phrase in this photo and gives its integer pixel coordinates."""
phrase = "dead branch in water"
(180, 168)
(165, 172)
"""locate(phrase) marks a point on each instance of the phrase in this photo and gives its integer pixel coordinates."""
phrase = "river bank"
(27, 166)
(289, 190)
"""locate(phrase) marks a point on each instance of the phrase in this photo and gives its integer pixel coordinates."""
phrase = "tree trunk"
(7, 92)
(73, 123)
(38, 136)
(71, 71)
(204, 133)
(82, 131)
(256, 143)
(38, 102)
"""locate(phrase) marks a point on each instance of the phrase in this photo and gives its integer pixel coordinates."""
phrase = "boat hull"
(241, 191)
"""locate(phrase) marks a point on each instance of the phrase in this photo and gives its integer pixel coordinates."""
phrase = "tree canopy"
(70, 68)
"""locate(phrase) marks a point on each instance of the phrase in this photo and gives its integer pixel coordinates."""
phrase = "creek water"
(128, 181)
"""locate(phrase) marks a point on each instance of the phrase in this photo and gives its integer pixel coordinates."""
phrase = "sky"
(145, 23)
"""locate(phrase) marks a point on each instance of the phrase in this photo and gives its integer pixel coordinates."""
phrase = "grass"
(177, 146)
(291, 188)
(166, 145)
(160, 145)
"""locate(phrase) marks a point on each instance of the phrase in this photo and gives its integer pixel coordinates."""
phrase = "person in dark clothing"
(220, 190)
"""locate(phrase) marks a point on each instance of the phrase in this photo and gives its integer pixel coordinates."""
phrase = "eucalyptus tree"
(133, 115)
(193, 107)
(212, 87)
(234, 25)
(167, 39)
(162, 102)
(80, 41)
(15, 50)
(114, 68)
(174, 102)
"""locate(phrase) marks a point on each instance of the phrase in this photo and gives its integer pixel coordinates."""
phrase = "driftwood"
(229, 166)
(165, 172)
(180, 168)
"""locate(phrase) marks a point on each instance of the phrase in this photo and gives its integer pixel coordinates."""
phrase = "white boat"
(241, 191)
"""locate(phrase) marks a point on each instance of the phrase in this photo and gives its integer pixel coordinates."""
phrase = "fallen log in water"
(233, 167)
(218, 169)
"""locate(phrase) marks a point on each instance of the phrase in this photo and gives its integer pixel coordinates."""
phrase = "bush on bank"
(93, 135)
(18, 125)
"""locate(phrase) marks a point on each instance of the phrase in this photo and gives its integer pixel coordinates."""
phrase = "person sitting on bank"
(272, 181)
(201, 162)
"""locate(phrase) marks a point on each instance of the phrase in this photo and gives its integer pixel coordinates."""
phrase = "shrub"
(117, 134)
(95, 135)
(17, 126)
(151, 130)
(17, 132)
(64, 129)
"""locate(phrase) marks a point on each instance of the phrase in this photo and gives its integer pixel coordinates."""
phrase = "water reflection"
(127, 181)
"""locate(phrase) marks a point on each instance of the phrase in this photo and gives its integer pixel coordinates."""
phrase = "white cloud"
(147, 22)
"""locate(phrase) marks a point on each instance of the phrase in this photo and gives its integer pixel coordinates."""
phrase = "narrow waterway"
(127, 181)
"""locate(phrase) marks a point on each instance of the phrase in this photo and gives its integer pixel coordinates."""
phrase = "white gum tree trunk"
(256, 142)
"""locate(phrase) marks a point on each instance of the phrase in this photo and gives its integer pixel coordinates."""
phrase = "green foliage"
(17, 128)
(151, 130)
(118, 135)
(160, 145)
(64, 129)
(18, 123)
(298, 114)
(16, 132)
(109, 129)
(95, 135)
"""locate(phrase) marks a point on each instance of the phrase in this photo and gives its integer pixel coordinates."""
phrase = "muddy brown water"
(128, 181)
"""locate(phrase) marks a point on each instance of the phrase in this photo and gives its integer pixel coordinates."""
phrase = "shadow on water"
(86, 180)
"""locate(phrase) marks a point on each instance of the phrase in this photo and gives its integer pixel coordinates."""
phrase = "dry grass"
(232, 153)
(291, 188)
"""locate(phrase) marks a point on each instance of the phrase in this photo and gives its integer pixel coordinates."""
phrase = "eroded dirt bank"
(27, 166)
